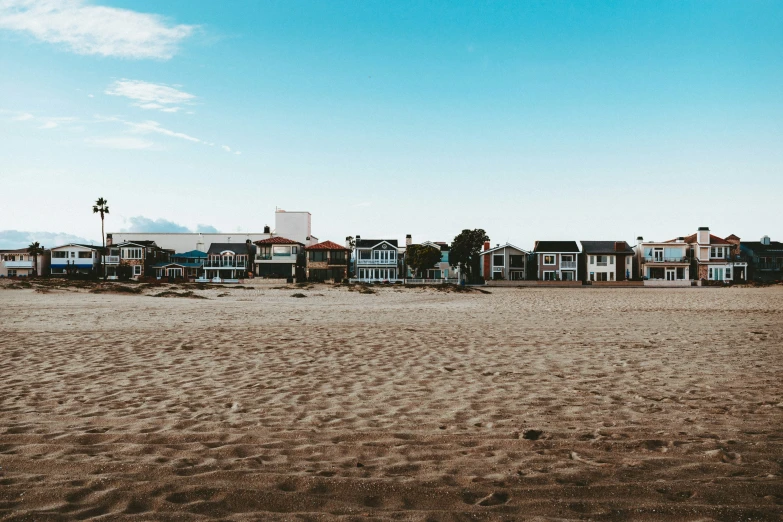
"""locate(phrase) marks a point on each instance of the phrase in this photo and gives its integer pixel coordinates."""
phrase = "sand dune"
(406, 404)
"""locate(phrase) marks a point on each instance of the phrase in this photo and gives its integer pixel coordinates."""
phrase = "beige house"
(19, 263)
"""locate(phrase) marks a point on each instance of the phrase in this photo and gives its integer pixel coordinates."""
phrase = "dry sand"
(410, 404)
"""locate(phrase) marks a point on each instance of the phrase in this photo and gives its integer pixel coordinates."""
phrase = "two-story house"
(327, 261)
(75, 258)
(766, 259)
(504, 262)
(376, 260)
(557, 260)
(606, 261)
(442, 270)
(133, 259)
(714, 258)
(279, 257)
(20, 263)
(229, 262)
(185, 265)
(663, 262)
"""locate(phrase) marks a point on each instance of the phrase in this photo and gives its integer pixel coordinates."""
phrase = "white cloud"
(121, 142)
(148, 95)
(363, 204)
(93, 29)
(23, 117)
(48, 125)
(237, 153)
(226, 148)
(148, 126)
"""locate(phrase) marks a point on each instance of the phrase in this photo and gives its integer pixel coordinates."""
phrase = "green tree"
(422, 257)
(350, 244)
(101, 207)
(465, 253)
(35, 250)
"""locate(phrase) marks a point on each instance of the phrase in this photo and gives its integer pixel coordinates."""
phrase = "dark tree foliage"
(465, 253)
(422, 257)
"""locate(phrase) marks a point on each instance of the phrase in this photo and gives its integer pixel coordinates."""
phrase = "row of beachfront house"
(673, 262)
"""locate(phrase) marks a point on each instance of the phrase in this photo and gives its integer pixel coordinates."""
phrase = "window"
(85, 255)
(365, 254)
(611, 260)
(11, 273)
(728, 273)
(294, 250)
(281, 251)
(59, 254)
(550, 276)
(137, 270)
(592, 260)
(498, 260)
(567, 258)
(710, 273)
(73, 254)
(549, 259)
(611, 276)
(317, 256)
(132, 253)
(338, 256)
(516, 261)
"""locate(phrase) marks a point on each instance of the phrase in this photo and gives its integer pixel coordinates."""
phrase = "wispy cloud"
(153, 96)
(363, 204)
(150, 126)
(94, 29)
(145, 224)
(23, 117)
(21, 239)
(121, 143)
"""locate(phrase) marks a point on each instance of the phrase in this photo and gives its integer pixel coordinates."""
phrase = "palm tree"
(101, 207)
(35, 250)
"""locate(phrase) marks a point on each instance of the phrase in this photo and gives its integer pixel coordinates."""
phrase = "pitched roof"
(175, 263)
(277, 240)
(501, 247)
(759, 247)
(144, 243)
(732, 236)
(556, 246)
(237, 248)
(191, 254)
(326, 245)
(13, 251)
(369, 243)
(714, 240)
(606, 247)
(91, 247)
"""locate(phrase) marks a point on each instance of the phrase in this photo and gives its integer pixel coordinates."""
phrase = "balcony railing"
(111, 260)
(568, 264)
(376, 262)
(769, 266)
(601, 263)
(666, 259)
(19, 264)
(337, 262)
(224, 264)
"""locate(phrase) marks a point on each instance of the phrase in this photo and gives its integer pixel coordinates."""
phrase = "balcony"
(568, 264)
(666, 260)
(19, 264)
(337, 262)
(111, 260)
(264, 257)
(364, 262)
(225, 263)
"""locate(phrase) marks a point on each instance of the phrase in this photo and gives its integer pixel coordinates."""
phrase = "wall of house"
(83, 264)
(506, 269)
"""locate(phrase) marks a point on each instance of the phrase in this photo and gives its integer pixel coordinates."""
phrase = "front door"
(671, 274)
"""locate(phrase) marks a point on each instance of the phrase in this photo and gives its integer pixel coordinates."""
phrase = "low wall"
(662, 283)
(617, 284)
(568, 284)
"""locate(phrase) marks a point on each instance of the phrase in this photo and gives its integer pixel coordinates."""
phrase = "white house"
(74, 258)
(376, 260)
(663, 263)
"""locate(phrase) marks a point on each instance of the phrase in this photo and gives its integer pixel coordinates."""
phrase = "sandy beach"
(402, 404)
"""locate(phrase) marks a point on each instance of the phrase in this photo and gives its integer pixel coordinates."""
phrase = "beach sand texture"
(405, 404)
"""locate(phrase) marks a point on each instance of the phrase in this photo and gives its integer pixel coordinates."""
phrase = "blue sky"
(532, 120)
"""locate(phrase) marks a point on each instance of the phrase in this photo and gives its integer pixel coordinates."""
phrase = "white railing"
(111, 260)
(415, 281)
(375, 280)
(19, 264)
(360, 262)
(568, 264)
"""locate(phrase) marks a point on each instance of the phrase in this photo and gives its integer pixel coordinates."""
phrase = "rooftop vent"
(765, 240)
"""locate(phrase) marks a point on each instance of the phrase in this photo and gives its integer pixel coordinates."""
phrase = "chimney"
(639, 239)
(680, 239)
(266, 229)
(358, 238)
(765, 240)
(486, 245)
(108, 239)
(703, 236)
(619, 246)
(408, 240)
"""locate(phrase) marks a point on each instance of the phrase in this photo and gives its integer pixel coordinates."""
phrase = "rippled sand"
(409, 404)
